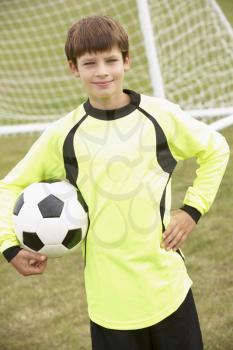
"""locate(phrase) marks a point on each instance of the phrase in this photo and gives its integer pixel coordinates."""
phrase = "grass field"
(49, 312)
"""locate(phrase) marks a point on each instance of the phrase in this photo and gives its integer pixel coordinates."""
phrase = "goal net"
(191, 41)
(194, 45)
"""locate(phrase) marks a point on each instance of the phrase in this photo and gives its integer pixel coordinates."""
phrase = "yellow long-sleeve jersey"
(122, 161)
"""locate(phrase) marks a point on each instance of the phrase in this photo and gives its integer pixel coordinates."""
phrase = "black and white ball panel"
(19, 204)
(51, 206)
(72, 238)
(32, 241)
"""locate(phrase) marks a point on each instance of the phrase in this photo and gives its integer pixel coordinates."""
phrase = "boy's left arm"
(195, 139)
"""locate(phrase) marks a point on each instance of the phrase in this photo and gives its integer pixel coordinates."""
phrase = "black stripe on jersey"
(162, 203)
(71, 167)
(162, 211)
(164, 156)
(70, 161)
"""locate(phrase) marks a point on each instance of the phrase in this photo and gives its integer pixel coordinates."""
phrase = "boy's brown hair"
(95, 34)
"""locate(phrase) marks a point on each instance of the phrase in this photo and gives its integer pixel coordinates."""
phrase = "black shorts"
(179, 331)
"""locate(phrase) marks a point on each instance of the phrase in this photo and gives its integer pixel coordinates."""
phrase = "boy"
(120, 148)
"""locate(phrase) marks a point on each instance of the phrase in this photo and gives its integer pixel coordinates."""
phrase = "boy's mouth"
(103, 83)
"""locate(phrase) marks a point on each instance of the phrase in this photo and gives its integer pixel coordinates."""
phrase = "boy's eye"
(88, 63)
(112, 60)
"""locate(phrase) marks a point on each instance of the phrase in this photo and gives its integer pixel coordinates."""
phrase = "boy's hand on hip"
(28, 263)
(179, 228)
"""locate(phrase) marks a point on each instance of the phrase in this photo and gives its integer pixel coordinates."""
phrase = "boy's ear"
(73, 68)
(127, 63)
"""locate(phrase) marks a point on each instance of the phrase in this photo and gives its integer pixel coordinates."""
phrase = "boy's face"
(102, 75)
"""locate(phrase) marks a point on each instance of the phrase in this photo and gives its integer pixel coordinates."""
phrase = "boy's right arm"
(40, 163)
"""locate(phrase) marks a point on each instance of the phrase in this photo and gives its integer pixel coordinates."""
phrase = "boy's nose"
(101, 70)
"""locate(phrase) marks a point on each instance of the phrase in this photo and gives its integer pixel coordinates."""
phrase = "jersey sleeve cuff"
(11, 252)
(193, 212)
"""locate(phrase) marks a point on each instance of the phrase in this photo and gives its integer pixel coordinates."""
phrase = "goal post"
(181, 50)
(150, 48)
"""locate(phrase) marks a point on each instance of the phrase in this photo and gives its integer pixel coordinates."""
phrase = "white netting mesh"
(195, 51)
(194, 47)
(34, 76)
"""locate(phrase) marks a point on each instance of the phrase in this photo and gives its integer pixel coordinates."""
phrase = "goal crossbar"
(8, 130)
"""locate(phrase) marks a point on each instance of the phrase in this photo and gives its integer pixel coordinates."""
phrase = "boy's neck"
(115, 102)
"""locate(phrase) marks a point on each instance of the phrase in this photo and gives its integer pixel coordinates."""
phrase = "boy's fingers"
(176, 242)
(37, 268)
(169, 230)
(179, 244)
(36, 263)
(32, 262)
(172, 239)
(167, 236)
(35, 257)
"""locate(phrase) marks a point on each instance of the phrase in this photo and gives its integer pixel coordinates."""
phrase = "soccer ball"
(50, 218)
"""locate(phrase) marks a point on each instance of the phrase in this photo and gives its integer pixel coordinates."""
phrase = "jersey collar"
(112, 114)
